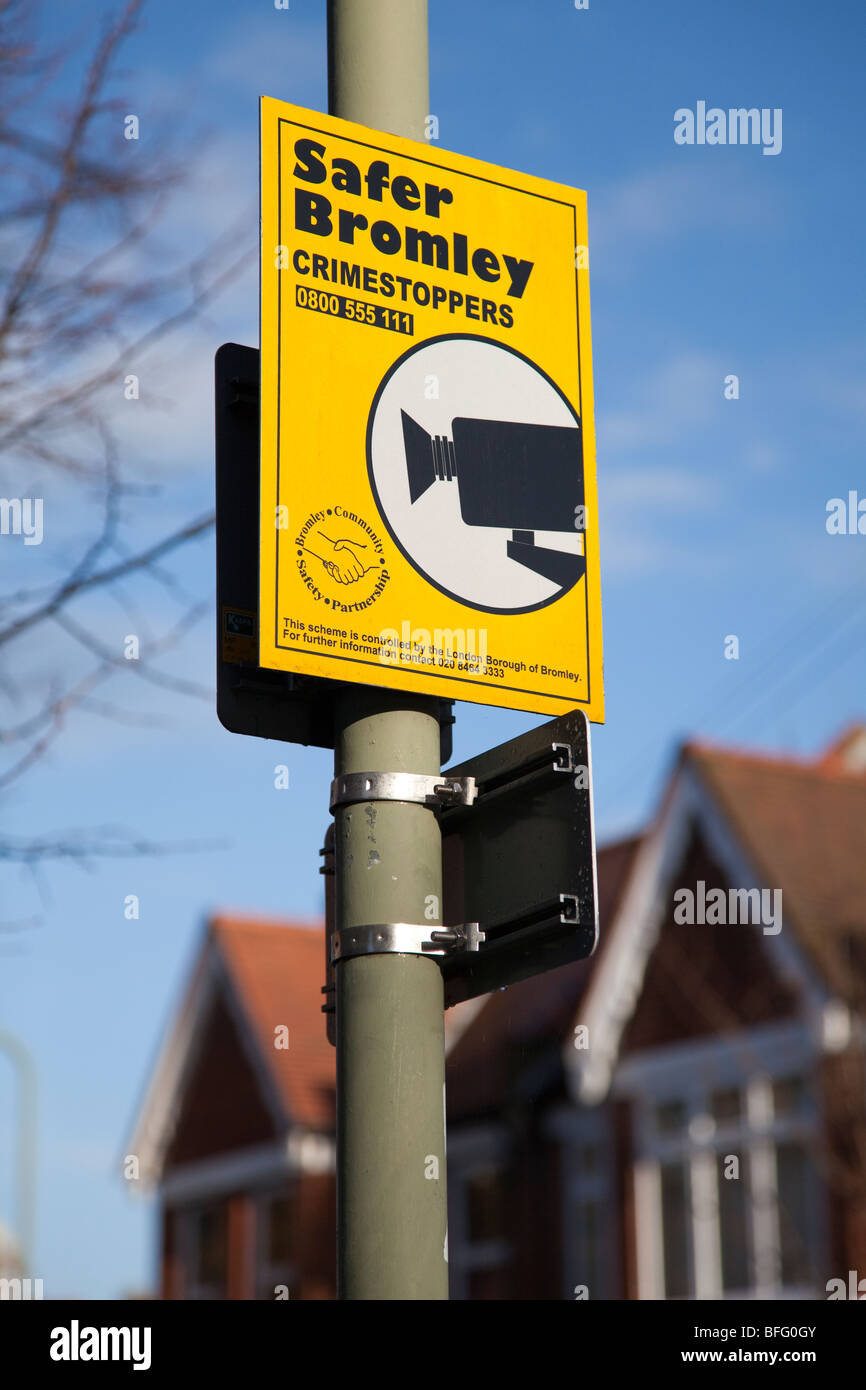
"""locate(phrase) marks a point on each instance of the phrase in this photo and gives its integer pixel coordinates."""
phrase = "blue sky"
(704, 261)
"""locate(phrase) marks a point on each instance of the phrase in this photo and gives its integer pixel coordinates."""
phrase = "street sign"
(264, 703)
(521, 860)
(428, 492)
(294, 708)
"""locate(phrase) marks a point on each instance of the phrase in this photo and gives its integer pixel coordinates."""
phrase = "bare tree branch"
(125, 567)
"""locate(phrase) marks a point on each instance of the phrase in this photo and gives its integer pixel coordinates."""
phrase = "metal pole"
(391, 1182)
(378, 71)
(26, 1147)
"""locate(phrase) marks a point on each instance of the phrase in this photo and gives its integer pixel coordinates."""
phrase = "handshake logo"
(336, 547)
(344, 559)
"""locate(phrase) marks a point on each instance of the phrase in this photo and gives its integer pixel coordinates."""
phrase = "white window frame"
(576, 1129)
(472, 1151)
(689, 1074)
(188, 1240)
(265, 1274)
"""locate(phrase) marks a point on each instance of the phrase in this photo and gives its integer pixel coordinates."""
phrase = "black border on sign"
(569, 700)
(494, 342)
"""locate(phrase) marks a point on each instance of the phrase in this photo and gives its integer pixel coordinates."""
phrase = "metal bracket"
(563, 757)
(402, 786)
(405, 938)
(569, 907)
(465, 938)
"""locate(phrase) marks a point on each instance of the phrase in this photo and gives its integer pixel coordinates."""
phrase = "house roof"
(847, 753)
(803, 825)
(278, 970)
(269, 974)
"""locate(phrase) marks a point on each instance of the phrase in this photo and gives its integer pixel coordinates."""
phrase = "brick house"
(682, 1116)
(238, 1122)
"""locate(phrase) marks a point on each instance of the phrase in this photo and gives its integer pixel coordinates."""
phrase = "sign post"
(391, 1173)
(427, 532)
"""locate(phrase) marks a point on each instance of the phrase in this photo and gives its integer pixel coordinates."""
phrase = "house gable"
(222, 1107)
(703, 979)
(691, 815)
(250, 1025)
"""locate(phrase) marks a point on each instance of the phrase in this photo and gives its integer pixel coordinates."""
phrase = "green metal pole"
(378, 71)
(391, 1180)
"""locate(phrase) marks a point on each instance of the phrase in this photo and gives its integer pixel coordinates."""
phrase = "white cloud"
(763, 456)
(675, 489)
(839, 388)
(670, 403)
(655, 481)
(628, 220)
(288, 61)
(648, 516)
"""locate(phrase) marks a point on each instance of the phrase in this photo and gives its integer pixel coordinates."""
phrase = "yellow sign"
(428, 492)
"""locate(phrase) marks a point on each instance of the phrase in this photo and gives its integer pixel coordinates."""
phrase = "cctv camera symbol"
(524, 478)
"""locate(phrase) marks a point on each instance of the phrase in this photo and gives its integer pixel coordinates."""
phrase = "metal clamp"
(402, 786)
(405, 938)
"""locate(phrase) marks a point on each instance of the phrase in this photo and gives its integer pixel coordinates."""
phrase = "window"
(588, 1160)
(205, 1240)
(789, 1096)
(792, 1184)
(274, 1243)
(589, 1233)
(733, 1226)
(479, 1250)
(486, 1251)
(278, 1233)
(670, 1117)
(726, 1106)
(675, 1202)
(485, 1197)
(728, 1199)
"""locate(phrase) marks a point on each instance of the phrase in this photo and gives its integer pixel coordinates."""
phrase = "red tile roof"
(278, 971)
(803, 827)
(847, 753)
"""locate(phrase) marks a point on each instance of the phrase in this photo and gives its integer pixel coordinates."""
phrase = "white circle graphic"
(479, 501)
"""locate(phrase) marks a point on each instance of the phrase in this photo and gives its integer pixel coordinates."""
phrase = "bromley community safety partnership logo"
(341, 560)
